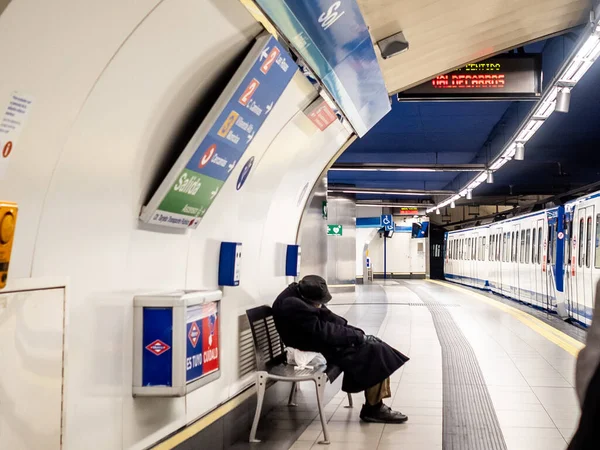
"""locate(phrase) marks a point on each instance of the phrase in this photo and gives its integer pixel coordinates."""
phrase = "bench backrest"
(268, 346)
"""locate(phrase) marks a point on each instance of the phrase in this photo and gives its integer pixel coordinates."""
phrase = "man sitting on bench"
(305, 323)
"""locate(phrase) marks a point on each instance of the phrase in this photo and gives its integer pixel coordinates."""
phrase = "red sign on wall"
(321, 114)
(210, 344)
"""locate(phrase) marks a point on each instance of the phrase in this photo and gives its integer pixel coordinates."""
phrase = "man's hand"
(370, 339)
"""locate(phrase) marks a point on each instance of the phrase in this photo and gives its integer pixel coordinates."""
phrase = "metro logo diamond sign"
(214, 151)
(194, 334)
(157, 347)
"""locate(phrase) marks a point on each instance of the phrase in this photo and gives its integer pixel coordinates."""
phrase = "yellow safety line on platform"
(564, 341)
(205, 421)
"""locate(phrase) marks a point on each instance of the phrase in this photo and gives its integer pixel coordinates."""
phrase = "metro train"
(548, 259)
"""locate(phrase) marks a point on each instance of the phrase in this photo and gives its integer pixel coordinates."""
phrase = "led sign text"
(457, 81)
(505, 77)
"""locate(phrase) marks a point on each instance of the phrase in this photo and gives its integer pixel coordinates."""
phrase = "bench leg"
(320, 383)
(350, 401)
(292, 399)
(261, 385)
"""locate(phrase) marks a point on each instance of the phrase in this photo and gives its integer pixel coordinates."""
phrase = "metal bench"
(271, 365)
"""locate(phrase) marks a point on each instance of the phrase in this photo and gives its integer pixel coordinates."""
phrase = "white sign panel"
(11, 123)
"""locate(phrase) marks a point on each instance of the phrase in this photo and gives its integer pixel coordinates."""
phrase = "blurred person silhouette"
(587, 384)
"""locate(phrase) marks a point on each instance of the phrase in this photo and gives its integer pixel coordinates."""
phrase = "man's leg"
(375, 410)
(375, 394)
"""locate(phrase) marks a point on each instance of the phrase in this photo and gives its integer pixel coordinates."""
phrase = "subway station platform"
(483, 375)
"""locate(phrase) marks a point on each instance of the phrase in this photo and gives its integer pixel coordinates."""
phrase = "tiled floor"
(529, 379)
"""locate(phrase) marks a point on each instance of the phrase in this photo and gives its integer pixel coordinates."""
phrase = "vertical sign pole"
(384, 256)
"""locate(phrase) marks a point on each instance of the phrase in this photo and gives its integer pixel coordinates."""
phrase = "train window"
(533, 247)
(483, 239)
(551, 243)
(498, 247)
(588, 242)
(527, 246)
(581, 255)
(504, 247)
(474, 250)
(539, 260)
(515, 246)
(597, 242)
(490, 256)
(522, 257)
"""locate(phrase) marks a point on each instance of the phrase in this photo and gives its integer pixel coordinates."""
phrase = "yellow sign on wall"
(8, 223)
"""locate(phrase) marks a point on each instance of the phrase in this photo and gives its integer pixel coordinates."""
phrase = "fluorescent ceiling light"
(367, 192)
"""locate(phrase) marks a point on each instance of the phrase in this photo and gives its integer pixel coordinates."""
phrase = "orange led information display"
(8, 223)
(507, 77)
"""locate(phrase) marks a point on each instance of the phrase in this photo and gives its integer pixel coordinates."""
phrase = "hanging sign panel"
(334, 41)
(216, 148)
(508, 77)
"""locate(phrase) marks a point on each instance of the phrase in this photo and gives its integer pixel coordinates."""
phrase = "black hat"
(314, 289)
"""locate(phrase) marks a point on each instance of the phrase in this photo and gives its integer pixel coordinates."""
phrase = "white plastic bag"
(304, 360)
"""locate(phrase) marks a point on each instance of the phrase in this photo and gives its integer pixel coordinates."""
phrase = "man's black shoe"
(381, 414)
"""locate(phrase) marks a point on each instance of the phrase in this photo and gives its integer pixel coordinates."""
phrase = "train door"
(584, 223)
(514, 268)
(570, 262)
(498, 259)
(537, 252)
(474, 257)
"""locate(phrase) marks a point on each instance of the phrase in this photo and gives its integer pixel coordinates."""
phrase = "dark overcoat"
(305, 327)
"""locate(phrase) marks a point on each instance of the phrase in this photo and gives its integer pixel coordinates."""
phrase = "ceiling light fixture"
(393, 45)
(520, 152)
(563, 100)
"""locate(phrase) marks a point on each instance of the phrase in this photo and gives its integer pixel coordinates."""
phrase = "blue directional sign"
(219, 144)
(333, 38)
(387, 221)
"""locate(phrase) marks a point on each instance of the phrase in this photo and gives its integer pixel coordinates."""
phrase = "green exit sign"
(334, 230)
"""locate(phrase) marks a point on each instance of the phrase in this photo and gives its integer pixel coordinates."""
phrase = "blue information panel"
(219, 144)
(332, 37)
(157, 359)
